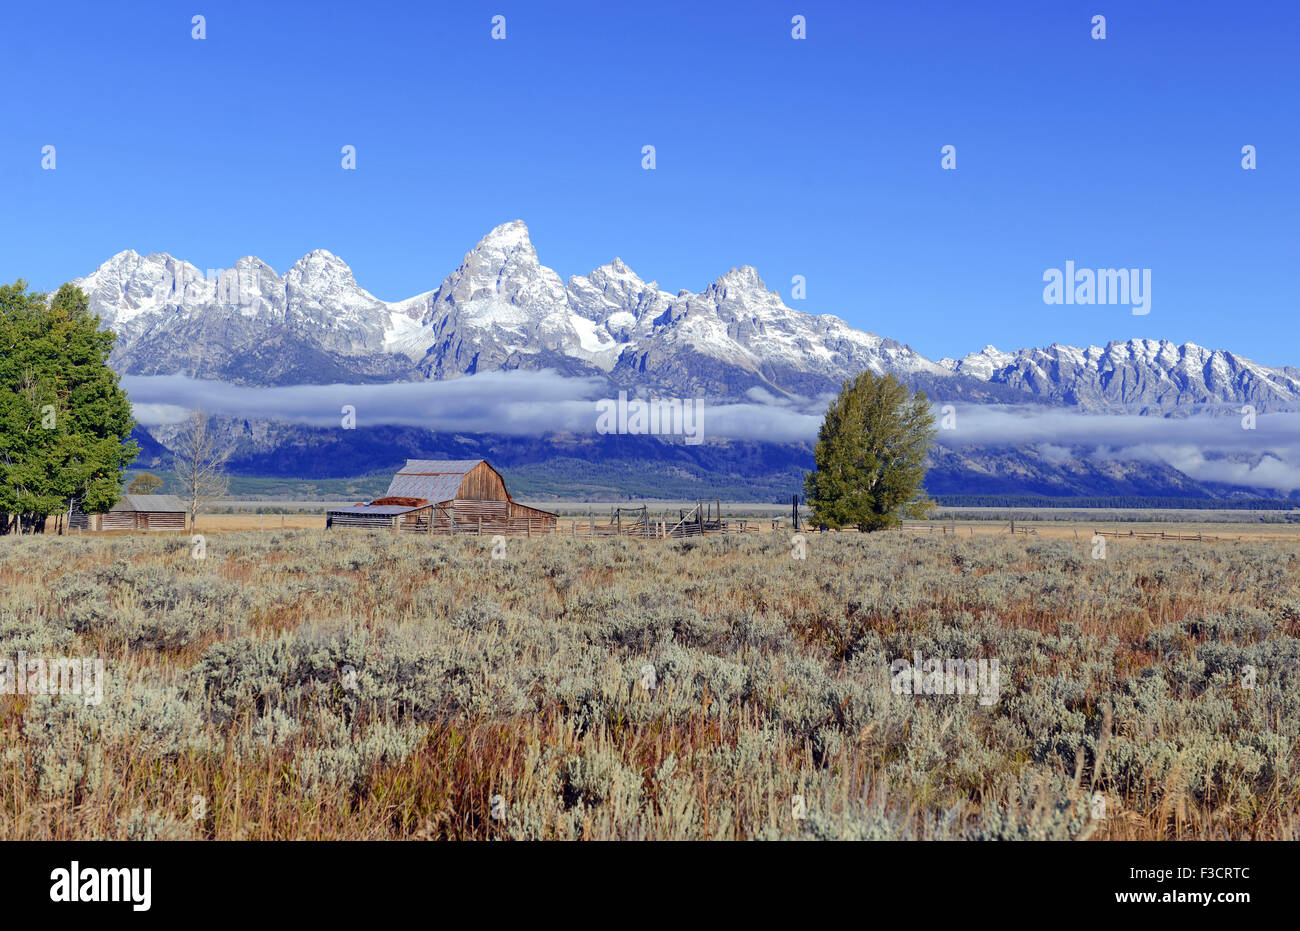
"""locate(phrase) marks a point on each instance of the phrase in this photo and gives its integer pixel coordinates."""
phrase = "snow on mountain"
(980, 364)
(736, 335)
(502, 309)
(130, 286)
(245, 324)
(1136, 375)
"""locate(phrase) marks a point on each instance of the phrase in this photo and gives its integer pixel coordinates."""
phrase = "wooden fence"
(1198, 537)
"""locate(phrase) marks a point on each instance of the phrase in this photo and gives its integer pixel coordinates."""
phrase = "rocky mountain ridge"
(501, 309)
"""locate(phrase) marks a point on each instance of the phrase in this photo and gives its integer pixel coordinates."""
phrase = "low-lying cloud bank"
(1206, 448)
(511, 403)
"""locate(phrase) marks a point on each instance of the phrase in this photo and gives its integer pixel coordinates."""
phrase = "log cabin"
(134, 512)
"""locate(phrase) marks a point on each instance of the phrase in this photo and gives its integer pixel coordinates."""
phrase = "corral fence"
(705, 517)
(1197, 537)
(442, 520)
(946, 527)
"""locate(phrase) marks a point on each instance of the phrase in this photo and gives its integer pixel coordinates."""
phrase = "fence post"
(480, 525)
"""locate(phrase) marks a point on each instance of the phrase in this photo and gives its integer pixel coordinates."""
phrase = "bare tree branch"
(200, 459)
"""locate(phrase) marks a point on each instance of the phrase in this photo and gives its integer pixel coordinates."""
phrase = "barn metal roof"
(426, 466)
(168, 503)
(435, 480)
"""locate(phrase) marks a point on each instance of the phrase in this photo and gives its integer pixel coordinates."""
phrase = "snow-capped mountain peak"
(130, 286)
(508, 237)
(502, 309)
(503, 267)
(1135, 375)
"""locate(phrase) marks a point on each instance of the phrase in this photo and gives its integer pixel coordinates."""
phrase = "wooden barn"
(446, 496)
(134, 512)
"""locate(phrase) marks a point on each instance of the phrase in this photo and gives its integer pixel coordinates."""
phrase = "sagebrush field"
(301, 684)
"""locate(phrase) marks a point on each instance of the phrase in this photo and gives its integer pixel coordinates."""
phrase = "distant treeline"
(1116, 501)
(631, 479)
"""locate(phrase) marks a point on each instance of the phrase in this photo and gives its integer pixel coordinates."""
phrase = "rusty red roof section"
(403, 502)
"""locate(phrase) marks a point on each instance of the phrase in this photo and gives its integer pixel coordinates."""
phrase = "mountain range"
(733, 341)
(501, 309)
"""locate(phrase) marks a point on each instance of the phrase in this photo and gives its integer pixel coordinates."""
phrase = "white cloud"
(1205, 448)
(514, 403)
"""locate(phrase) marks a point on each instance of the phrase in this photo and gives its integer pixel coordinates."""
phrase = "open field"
(363, 685)
(1128, 531)
(576, 522)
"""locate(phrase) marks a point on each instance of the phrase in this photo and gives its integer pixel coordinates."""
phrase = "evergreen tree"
(870, 455)
(64, 420)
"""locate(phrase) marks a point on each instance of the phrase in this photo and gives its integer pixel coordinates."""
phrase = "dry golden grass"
(231, 712)
(1219, 531)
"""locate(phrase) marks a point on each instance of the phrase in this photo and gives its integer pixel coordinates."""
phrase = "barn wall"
(416, 521)
(370, 521)
(163, 520)
(463, 510)
(482, 483)
(442, 521)
(131, 520)
(493, 517)
(523, 510)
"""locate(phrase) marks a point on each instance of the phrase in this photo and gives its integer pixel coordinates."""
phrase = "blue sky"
(818, 157)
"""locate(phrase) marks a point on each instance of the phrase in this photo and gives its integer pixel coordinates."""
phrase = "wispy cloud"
(1206, 448)
(522, 403)
(987, 425)
(512, 403)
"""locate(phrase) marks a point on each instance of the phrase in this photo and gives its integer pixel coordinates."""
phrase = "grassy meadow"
(353, 685)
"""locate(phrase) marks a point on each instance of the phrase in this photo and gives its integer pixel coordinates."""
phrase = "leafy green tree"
(146, 483)
(870, 455)
(64, 419)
